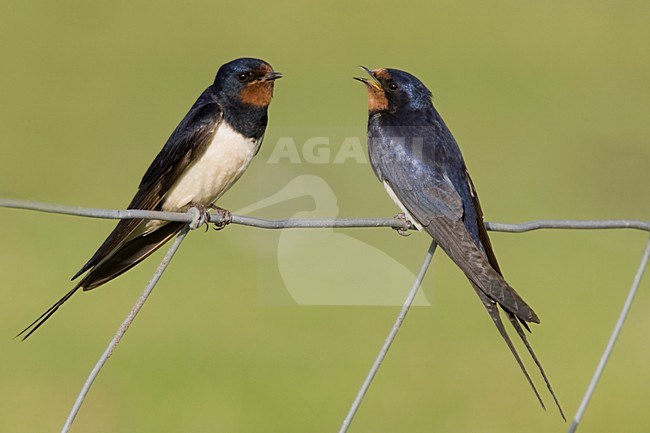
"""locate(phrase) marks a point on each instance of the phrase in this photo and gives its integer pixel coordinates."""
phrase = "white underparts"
(214, 172)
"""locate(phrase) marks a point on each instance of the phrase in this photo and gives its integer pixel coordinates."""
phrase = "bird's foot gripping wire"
(224, 215)
(404, 231)
(201, 216)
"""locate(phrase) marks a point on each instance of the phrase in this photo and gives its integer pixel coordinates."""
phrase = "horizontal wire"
(313, 223)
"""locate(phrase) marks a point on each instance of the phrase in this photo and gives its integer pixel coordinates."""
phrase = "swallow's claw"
(203, 216)
(224, 214)
(404, 231)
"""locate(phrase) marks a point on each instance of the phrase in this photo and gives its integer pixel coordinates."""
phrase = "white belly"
(397, 201)
(206, 179)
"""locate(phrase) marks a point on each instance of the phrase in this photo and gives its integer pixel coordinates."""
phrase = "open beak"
(370, 83)
(272, 76)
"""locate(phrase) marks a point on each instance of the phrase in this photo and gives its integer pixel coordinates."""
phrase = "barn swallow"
(205, 155)
(418, 161)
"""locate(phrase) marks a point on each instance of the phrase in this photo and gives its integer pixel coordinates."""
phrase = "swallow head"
(246, 80)
(392, 89)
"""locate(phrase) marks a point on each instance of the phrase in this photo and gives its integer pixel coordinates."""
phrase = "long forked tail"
(493, 311)
(480, 265)
(522, 335)
(29, 330)
(118, 262)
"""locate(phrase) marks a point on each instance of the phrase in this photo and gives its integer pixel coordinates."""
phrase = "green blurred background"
(549, 102)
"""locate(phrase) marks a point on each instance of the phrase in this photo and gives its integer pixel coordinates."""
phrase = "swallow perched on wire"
(205, 155)
(415, 157)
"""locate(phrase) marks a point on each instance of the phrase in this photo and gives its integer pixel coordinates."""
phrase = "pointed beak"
(272, 76)
(370, 83)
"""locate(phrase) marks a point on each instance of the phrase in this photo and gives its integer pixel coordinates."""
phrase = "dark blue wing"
(404, 157)
(189, 140)
(426, 171)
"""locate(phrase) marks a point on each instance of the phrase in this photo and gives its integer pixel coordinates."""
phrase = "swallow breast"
(213, 173)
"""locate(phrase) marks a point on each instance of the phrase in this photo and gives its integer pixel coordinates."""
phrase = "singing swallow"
(205, 155)
(419, 163)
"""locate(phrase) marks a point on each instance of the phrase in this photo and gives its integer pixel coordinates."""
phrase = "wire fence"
(193, 220)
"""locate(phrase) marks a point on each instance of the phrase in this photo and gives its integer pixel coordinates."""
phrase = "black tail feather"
(493, 311)
(29, 330)
(522, 335)
(127, 256)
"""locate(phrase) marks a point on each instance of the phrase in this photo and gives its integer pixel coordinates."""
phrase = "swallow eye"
(392, 86)
(243, 76)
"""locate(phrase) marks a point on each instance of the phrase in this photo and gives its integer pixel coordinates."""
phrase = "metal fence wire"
(193, 219)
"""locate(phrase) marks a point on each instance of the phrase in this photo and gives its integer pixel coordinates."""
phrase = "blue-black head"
(392, 89)
(246, 80)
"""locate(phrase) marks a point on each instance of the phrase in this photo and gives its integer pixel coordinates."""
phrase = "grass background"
(549, 102)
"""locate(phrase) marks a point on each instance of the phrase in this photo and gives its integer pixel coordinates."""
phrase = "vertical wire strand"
(123, 328)
(612, 340)
(389, 340)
